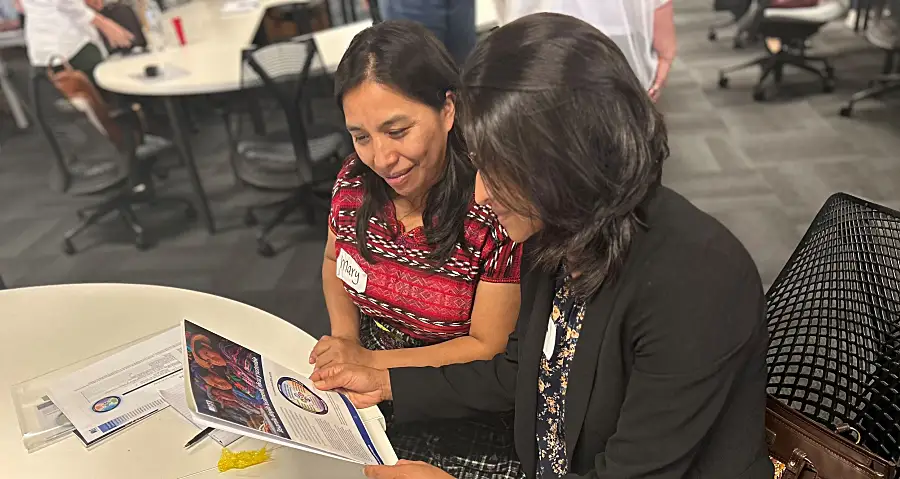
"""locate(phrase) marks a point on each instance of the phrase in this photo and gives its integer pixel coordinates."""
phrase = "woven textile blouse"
(402, 290)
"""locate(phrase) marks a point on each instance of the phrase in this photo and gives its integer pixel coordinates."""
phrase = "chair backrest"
(834, 323)
(128, 19)
(283, 70)
(85, 160)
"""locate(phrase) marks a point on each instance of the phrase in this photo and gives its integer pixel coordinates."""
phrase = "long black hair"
(410, 60)
(557, 120)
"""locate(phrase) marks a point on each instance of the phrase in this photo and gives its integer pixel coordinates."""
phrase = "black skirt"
(479, 447)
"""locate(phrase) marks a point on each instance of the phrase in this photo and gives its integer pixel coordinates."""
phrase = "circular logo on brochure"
(301, 396)
(107, 404)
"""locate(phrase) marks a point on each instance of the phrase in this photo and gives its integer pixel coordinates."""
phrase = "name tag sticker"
(550, 339)
(350, 273)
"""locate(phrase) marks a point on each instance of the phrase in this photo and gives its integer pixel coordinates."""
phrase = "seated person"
(415, 272)
(9, 16)
(640, 351)
(69, 29)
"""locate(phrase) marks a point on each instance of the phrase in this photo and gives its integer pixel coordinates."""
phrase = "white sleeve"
(661, 3)
(77, 10)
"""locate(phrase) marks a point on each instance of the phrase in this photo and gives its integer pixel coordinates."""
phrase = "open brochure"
(232, 388)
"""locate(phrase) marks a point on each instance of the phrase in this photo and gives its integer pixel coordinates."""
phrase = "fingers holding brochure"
(364, 386)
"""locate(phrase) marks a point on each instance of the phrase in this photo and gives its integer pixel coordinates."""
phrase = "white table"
(12, 39)
(49, 327)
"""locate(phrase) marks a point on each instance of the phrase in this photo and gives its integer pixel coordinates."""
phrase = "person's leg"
(87, 59)
(461, 31)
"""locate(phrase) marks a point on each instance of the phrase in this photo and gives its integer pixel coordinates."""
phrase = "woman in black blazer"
(640, 346)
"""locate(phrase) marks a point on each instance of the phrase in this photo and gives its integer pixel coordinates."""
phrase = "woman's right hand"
(364, 386)
(117, 36)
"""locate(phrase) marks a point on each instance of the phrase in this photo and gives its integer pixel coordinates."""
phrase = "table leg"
(176, 116)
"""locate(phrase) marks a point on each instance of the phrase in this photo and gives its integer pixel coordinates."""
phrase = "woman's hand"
(406, 470)
(117, 36)
(331, 350)
(364, 386)
(662, 74)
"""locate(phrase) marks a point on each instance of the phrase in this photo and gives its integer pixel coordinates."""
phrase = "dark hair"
(407, 58)
(555, 116)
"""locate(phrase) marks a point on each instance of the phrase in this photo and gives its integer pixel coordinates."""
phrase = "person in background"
(640, 349)
(69, 29)
(451, 21)
(415, 272)
(643, 29)
(9, 16)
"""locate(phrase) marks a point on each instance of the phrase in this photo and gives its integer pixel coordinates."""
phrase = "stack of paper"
(115, 392)
(176, 398)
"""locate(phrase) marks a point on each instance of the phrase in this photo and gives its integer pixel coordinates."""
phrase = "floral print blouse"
(567, 316)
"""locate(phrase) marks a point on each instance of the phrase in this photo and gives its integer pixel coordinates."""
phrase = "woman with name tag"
(640, 350)
(415, 272)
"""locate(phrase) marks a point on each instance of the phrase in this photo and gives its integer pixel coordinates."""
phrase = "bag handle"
(57, 60)
(798, 463)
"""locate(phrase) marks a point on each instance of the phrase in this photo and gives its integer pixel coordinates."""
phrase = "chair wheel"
(68, 248)
(141, 242)
(723, 81)
(250, 219)
(190, 212)
(265, 249)
(828, 86)
(711, 36)
(846, 111)
(759, 95)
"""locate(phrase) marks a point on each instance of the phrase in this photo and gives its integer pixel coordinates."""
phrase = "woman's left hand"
(406, 470)
(331, 350)
(662, 74)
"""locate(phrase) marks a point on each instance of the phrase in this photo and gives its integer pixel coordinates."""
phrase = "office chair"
(301, 161)
(793, 27)
(834, 324)
(122, 178)
(884, 34)
(737, 9)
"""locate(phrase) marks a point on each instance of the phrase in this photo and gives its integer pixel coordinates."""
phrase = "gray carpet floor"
(762, 169)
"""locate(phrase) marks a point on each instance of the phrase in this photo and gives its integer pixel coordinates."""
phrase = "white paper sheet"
(240, 6)
(121, 389)
(175, 397)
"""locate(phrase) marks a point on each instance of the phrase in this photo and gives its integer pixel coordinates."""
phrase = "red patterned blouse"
(430, 306)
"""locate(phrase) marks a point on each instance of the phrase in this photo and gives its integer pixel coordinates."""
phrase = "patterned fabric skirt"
(474, 448)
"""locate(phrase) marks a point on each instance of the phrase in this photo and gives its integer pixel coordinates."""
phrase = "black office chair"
(884, 34)
(299, 160)
(834, 321)
(737, 9)
(793, 27)
(92, 166)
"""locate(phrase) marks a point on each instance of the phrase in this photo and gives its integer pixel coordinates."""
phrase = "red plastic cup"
(179, 30)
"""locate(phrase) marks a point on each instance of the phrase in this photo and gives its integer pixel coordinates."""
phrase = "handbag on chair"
(76, 87)
(803, 449)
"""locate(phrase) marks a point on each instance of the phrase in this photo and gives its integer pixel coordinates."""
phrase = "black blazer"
(669, 375)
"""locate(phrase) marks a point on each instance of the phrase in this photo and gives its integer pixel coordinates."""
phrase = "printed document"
(121, 389)
(232, 388)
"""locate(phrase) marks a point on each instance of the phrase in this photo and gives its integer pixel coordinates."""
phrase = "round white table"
(49, 327)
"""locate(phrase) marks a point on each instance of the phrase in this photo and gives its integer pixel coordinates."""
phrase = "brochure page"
(121, 389)
(234, 388)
